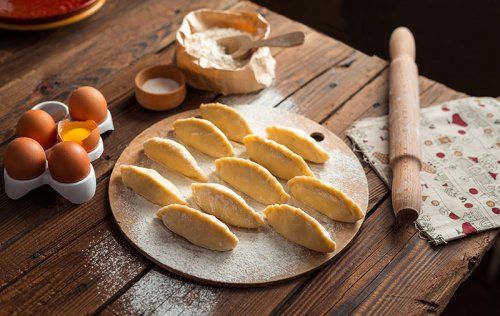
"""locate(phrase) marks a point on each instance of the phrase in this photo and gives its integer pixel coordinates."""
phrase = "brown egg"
(87, 103)
(24, 159)
(39, 125)
(68, 162)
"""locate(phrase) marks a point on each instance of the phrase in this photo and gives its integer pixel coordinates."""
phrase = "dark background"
(458, 44)
(458, 41)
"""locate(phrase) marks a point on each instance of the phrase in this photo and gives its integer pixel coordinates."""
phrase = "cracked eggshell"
(89, 143)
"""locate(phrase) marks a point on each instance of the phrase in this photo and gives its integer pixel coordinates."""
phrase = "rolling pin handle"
(402, 44)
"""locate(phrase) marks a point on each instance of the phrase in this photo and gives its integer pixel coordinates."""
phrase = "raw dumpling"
(227, 119)
(297, 226)
(198, 228)
(298, 142)
(173, 156)
(325, 199)
(252, 179)
(151, 185)
(276, 158)
(226, 205)
(203, 136)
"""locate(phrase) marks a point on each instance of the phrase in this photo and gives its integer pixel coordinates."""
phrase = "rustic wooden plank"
(160, 292)
(19, 47)
(433, 275)
(101, 261)
(328, 92)
(319, 51)
(45, 239)
(376, 95)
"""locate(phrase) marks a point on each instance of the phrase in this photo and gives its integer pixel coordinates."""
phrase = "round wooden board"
(262, 256)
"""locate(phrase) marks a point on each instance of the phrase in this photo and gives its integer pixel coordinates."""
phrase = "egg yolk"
(76, 135)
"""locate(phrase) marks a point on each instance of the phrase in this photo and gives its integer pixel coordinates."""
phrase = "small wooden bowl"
(160, 101)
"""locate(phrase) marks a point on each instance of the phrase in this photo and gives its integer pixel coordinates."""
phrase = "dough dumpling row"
(251, 179)
(230, 121)
(299, 227)
(325, 199)
(173, 156)
(203, 136)
(298, 142)
(226, 205)
(151, 185)
(282, 155)
(198, 228)
(276, 158)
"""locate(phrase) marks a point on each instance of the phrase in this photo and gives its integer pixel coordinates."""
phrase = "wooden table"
(59, 257)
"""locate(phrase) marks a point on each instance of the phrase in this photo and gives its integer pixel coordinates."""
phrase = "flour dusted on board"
(204, 46)
(262, 255)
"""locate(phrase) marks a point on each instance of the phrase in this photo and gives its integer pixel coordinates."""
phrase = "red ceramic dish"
(40, 10)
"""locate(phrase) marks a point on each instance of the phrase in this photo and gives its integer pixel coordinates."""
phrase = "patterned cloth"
(461, 163)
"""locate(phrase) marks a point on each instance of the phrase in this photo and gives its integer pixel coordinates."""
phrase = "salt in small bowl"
(160, 100)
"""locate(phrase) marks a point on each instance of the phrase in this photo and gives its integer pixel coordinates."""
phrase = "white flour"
(204, 46)
(160, 85)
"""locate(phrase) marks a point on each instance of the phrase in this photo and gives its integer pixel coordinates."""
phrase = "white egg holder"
(77, 192)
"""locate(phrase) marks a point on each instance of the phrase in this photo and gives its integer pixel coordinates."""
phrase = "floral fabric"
(461, 164)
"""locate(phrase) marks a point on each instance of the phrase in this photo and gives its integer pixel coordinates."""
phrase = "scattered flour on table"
(203, 45)
(109, 265)
(161, 293)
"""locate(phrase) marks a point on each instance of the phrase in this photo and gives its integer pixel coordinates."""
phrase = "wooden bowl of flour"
(203, 64)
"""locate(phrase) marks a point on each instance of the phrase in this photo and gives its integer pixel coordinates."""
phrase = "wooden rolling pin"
(404, 117)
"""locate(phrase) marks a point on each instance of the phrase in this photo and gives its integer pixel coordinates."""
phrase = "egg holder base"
(77, 192)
